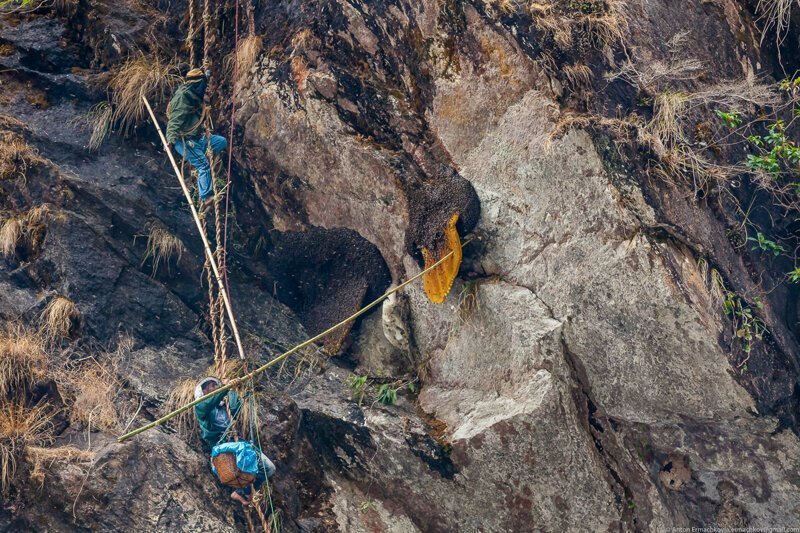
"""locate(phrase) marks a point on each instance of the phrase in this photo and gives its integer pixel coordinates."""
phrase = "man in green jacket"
(212, 414)
(185, 131)
(215, 425)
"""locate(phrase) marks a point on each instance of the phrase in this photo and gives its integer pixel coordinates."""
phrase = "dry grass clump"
(22, 360)
(240, 63)
(581, 22)
(776, 14)
(183, 393)
(228, 369)
(45, 458)
(99, 119)
(505, 6)
(95, 389)
(15, 156)
(30, 225)
(673, 116)
(11, 233)
(468, 301)
(141, 75)
(59, 317)
(578, 75)
(20, 428)
(651, 76)
(161, 246)
(609, 27)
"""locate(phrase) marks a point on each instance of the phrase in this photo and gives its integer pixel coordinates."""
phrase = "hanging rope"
(251, 17)
(221, 234)
(230, 134)
(207, 34)
(192, 33)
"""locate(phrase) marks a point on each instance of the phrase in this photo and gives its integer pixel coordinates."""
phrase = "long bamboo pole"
(286, 354)
(207, 247)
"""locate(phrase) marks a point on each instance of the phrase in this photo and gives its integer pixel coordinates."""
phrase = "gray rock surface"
(579, 376)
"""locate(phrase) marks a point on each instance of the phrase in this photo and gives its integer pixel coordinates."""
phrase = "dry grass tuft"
(468, 301)
(228, 369)
(302, 38)
(31, 225)
(246, 414)
(95, 389)
(668, 108)
(609, 28)
(141, 75)
(37, 216)
(15, 156)
(505, 6)
(46, 458)
(59, 318)
(22, 360)
(675, 114)
(20, 428)
(652, 76)
(776, 14)
(563, 35)
(161, 246)
(100, 119)
(579, 76)
(240, 64)
(183, 393)
(10, 235)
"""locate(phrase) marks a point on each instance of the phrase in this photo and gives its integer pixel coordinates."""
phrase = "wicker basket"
(229, 474)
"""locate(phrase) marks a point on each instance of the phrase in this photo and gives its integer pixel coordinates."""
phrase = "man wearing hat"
(185, 131)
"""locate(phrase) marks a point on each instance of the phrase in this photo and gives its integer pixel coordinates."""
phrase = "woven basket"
(229, 474)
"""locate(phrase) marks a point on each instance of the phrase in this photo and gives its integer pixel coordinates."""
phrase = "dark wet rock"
(325, 275)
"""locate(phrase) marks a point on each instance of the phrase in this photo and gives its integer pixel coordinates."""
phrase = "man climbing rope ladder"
(248, 466)
(184, 131)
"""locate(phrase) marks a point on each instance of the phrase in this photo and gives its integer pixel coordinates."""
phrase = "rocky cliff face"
(582, 374)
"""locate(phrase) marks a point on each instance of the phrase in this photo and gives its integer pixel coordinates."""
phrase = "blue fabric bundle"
(247, 458)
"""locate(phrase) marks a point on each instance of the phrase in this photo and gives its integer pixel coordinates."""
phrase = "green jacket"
(185, 113)
(210, 419)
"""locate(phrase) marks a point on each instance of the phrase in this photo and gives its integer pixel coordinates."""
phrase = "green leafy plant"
(17, 4)
(732, 119)
(358, 384)
(367, 506)
(766, 245)
(794, 275)
(387, 395)
(748, 326)
(776, 152)
(789, 84)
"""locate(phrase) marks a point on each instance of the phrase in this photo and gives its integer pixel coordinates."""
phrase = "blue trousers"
(265, 470)
(195, 153)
